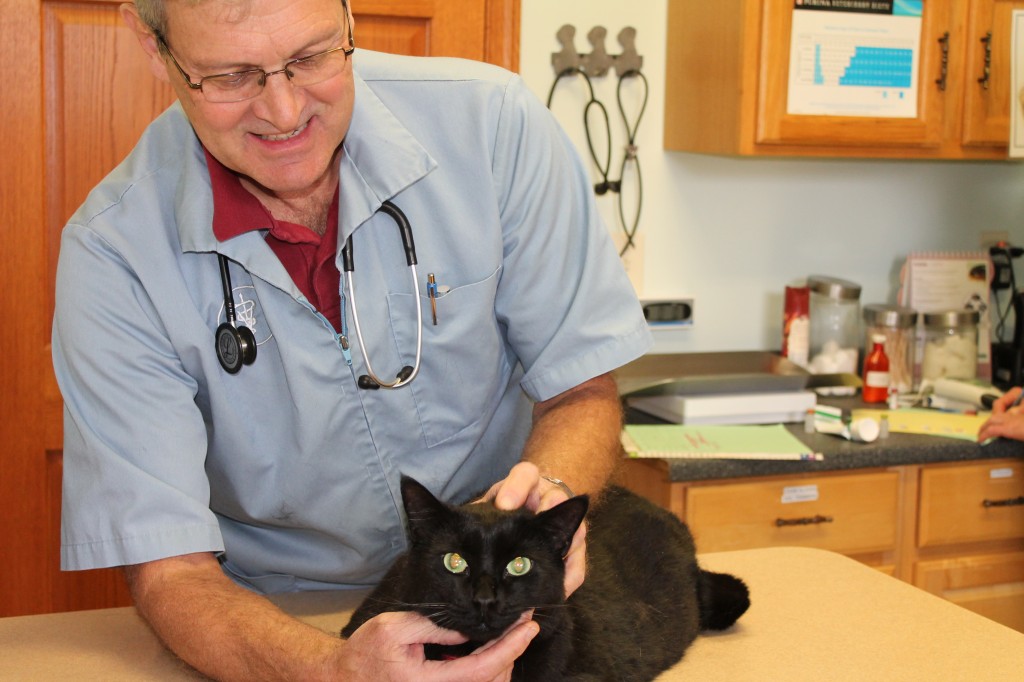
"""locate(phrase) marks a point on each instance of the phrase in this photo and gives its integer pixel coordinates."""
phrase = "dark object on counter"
(1008, 358)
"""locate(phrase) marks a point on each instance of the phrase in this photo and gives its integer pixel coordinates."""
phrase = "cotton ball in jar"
(834, 359)
(955, 357)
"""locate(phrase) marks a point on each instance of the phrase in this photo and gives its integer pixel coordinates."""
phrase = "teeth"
(286, 136)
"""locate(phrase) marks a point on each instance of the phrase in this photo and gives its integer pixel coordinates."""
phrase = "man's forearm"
(224, 630)
(575, 435)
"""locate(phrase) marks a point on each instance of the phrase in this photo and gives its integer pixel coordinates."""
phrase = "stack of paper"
(680, 441)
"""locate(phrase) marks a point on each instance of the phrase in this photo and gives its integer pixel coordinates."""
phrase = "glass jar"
(897, 324)
(950, 345)
(835, 325)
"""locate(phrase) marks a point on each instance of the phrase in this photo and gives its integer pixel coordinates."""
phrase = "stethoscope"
(236, 345)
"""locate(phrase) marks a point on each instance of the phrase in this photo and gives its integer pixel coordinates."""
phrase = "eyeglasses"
(239, 86)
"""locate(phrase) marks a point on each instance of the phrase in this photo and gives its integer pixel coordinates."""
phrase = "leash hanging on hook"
(605, 184)
(629, 157)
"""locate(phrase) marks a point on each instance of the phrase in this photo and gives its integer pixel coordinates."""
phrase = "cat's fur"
(642, 604)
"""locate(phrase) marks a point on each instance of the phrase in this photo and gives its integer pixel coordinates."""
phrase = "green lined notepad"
(684, 441)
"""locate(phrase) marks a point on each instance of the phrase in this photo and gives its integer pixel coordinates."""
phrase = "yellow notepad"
(929, 422)
(684, 441)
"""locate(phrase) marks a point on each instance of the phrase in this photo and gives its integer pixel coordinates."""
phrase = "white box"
(736, 408)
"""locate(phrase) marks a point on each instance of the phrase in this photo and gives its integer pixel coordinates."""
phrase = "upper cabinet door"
(743, 77)
(778, 44)
(987, 76)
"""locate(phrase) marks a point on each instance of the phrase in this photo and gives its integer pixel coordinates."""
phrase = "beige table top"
(815, 615)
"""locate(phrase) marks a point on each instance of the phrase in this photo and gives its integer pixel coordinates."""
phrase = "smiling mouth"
(285, 136)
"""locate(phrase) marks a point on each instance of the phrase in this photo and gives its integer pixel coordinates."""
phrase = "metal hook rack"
(598, 61)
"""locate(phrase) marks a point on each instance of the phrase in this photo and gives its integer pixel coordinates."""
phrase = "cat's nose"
(483, 594)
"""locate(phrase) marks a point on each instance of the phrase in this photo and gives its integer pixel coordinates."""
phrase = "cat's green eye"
(455, 563)
(519, 566)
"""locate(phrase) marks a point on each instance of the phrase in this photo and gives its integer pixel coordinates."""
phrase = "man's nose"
(279, 103)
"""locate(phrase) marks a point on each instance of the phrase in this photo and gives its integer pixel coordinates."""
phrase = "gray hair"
(154, 13)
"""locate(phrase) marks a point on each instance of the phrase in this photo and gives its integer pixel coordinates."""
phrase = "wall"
(732, 233)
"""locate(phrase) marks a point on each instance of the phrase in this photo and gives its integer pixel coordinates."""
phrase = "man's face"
(284, 140)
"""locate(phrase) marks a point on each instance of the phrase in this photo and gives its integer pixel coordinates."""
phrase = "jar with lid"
(898, 325)
(835, 325)
(950, 345)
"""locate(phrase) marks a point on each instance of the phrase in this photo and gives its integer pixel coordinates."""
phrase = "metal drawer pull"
(1012, 502)
(807, 520)
(944, 72)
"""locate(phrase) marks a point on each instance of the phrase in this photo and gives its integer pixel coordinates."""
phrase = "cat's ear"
(560, 522)
(422, 509)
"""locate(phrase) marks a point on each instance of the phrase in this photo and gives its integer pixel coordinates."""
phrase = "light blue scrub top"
(287, 467)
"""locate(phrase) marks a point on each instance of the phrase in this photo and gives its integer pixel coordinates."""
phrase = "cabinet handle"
(803, 521)
(1012, 502)
(941, 80)
(987, 40)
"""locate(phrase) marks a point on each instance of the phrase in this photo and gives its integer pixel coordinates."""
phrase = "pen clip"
(432, 294)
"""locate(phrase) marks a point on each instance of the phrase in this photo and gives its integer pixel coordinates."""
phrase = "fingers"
(576, 560)
(390, 647)
(519, 488)
(494, 660)
(1005, 401)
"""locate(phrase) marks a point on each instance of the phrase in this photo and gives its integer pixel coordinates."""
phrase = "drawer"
(849, 514)
(989, 584)
(971, 502)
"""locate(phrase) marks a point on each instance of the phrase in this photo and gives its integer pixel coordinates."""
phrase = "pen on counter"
(432, 294)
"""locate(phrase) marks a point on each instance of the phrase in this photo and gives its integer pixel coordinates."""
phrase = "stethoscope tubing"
(407, 374)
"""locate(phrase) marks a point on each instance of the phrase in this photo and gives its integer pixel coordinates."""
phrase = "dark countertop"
(841, 454)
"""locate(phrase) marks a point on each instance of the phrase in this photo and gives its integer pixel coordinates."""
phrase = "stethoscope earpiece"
(371, 380)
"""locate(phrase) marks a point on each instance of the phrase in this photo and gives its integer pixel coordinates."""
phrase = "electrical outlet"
(668, 313)
(992, 237)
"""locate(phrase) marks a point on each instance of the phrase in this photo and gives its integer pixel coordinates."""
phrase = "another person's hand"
(525, 487)
(390, 647)
(1006, 421)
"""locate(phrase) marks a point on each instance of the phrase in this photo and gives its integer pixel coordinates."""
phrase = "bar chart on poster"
(855, 58)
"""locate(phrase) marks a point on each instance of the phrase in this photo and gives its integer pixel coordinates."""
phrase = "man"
(281, 471)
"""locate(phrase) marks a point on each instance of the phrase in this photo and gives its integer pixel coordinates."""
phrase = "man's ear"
(146, 39)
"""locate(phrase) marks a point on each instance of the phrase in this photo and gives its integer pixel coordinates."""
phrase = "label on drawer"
(1004, 472)
(799, 493)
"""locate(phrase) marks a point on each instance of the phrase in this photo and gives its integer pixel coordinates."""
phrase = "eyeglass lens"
(234, 87)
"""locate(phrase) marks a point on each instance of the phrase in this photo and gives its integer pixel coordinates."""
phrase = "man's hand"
(390, 647)
(524, 487)
(1006, 421)
(229, 633)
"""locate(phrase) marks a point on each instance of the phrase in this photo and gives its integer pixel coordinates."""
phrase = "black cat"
(475, 569)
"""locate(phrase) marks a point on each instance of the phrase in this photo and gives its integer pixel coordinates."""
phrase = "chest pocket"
(464, 368)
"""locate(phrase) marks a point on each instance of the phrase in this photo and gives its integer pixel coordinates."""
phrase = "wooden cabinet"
(82, 95)
(970, 537)
(956, 530)
(727, 85)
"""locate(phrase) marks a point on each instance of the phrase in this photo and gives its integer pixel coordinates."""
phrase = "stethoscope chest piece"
(236, 346)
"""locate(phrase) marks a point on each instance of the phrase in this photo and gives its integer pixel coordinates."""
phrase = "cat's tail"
(723, 599)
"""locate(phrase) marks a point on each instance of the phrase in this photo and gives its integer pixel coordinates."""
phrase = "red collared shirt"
(307, 256)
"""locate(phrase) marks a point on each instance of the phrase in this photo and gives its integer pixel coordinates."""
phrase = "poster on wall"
(855, 58)
(1017, 86)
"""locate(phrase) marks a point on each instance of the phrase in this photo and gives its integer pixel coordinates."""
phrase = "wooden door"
(987, 77)
(77, 95)
(775, 126)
